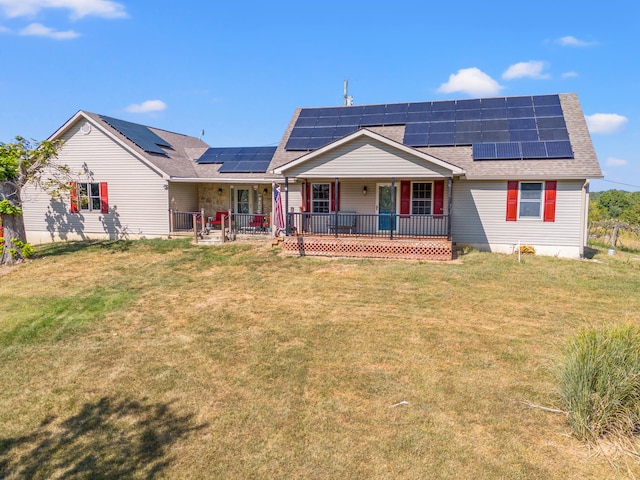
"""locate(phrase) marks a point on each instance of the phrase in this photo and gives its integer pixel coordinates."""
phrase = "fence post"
(195, 227)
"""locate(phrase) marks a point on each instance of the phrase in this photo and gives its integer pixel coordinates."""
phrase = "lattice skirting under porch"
(413, 249)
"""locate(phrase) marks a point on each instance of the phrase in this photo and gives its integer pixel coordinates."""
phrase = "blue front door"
(386, 218)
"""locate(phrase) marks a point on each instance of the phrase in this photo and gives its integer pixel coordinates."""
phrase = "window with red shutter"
(512, 201)
(550, 201)
(438, 197)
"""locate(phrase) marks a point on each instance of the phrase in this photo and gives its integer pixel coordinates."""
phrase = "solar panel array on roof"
(239, 160)
(138, 134)
(516, 127)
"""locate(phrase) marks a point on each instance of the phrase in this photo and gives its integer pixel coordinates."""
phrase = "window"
(242, 205)
(421, 198)
(320, 198)
(89, 197)
(530, 200)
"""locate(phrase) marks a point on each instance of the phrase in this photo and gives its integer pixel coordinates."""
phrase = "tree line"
(615, 205)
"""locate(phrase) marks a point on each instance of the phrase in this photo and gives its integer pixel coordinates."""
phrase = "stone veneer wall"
(209, 199)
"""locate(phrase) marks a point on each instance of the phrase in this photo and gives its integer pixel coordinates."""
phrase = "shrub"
(527, 250)
(600, 382)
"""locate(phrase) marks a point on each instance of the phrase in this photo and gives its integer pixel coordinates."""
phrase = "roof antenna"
(201, 134)
(348, 99)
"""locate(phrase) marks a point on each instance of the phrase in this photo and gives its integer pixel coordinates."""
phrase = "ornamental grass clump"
(600, 382)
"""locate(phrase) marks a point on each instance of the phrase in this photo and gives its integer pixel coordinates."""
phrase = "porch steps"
(411, 249)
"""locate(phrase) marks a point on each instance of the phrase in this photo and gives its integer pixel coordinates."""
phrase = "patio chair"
(257, 223)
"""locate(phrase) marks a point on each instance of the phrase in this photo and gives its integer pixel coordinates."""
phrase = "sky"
(239, 69)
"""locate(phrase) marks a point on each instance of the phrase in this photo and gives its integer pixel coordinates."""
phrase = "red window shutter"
(74, 197)
(307, 200)
(405, 197)
(512, 201)
(333, 197)
(104, 198)
(438, 197)
(550, 201)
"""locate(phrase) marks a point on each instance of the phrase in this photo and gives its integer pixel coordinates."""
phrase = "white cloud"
(616, 162)
(569, 74)
(472, 81)
(605, 122)
(146, 107)
(39, 30)
(78, 8)
(4, 29)
(531, 69)
(570, 41)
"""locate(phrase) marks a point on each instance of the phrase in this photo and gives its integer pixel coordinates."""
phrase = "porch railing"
(353, 224)
(252, 223)
(181, 221)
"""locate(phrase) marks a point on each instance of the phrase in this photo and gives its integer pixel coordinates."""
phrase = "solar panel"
(522, 124)
(499, 102)
(443, 105)
(327, 121)
(519, 102)
(372, 120)
(141, 135)
(416, 140)
(539, 100)
(495, 136)
(397, 108)
(559, 149)
(533, 150)
(468, 114)
(373, 109)
(549, 111)
(472, 104)
(442, 127)
(523, 135)
(443, 115)
(413, 128)
(442, 139)
(515, 126)
(553, 134)
(241, 160)
(551, 122)
(467, 138)
(520, 112)
(470, 126)
(484, 151)
(508, 151)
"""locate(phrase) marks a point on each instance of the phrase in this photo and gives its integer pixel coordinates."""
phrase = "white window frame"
(88, 194)
(539, 201)
(316, 202)
(430, 200)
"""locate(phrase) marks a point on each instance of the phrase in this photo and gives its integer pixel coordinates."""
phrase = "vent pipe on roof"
(348, 99)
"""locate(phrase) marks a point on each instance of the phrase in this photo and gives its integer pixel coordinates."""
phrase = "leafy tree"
(21, 163)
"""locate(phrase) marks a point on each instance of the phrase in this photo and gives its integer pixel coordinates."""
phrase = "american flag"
(278, 217)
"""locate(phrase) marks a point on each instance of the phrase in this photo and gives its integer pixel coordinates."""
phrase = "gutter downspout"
(584, 217)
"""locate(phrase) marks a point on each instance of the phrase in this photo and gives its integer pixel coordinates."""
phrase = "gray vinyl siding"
(365, 157)
(479, 216)
(138, 199)
(183, 197)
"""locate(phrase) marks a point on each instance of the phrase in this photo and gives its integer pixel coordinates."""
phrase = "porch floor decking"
(402, 248)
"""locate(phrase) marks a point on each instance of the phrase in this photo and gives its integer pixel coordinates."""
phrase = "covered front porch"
(368, 195)
(383, 218)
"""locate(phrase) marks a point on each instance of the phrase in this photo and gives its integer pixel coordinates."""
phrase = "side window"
(421, 198)
(320, 198)
(89, 197)
(530, 200)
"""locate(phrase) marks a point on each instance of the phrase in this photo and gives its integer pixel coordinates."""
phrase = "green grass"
(160, 359)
